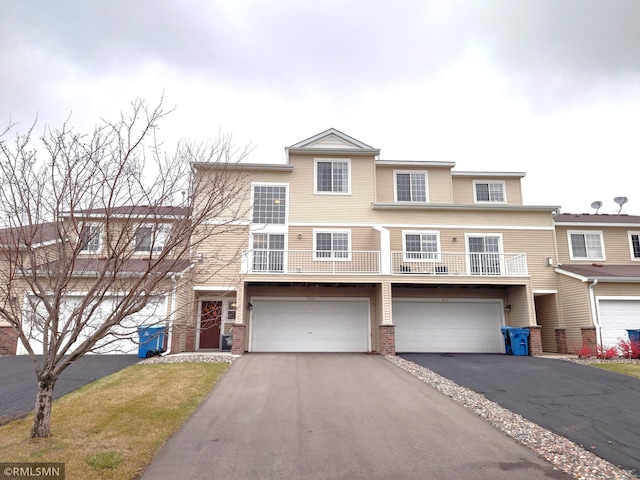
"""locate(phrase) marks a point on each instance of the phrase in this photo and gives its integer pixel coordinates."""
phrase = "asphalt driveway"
(336, 416)
(18, 382)
(592, 407)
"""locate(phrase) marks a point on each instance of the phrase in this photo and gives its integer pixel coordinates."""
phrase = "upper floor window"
(333, 175)
(411, 186)
(586, 245)
(634, 244)
(493, 192)
(421, 246)
(151, 238)
(90, 238)
(332, 245)
(269, 204)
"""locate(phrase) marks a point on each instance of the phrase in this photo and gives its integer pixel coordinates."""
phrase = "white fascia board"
(207, 288)
(277, 167)
(596, 224)
(415, 163)
(572, 275)
(334, 151)
(489, 174)
(469, 207)
(419, 225)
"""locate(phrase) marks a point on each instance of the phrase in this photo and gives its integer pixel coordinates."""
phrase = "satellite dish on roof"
(620, 201)
(597, 204)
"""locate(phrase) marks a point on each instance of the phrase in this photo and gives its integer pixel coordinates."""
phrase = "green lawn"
(631, 369)
(110, 429)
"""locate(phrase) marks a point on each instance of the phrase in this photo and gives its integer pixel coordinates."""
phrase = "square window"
(332, 176)
(150, 238)
(269, 204)
(586, 245)
(332, 245)
(489, 192)
(411, 186)
(421, 246)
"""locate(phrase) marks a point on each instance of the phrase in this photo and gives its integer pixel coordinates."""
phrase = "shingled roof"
(599, 218)
(602, 272)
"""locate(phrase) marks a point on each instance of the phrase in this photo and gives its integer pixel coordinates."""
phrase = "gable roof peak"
(331, 139)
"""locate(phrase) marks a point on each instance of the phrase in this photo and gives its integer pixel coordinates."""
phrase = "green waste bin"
(151, 341)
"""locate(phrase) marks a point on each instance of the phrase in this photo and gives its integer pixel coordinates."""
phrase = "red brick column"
(8, 341)
(238, 338)
(561, 340)
(589, 338)
(535, 340)
(386, 340)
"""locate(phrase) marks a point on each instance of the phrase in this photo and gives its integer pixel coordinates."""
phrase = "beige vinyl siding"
(362, 238)
(440, 187)
(400, 291)
(422, 218)
(617, 289)
(463, 189)
(438, 183)
(547, 318)
(222, 258)
(522, 312)
(616, 244)
(576, 310)
(306, 206)
(385, 189)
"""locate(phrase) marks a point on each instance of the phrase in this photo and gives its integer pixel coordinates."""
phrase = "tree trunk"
(42, 414)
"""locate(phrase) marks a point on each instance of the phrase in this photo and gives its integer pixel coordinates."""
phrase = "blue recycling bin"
(516, 340)
(507, 340)
(634, 335)
(151, 341)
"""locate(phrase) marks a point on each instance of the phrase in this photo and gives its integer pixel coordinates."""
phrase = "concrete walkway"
(336, 416)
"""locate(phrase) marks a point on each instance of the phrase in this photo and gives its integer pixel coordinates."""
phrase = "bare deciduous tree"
(109, 218)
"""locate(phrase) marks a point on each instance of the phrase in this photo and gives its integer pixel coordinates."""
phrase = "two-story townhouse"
(598, 278)
(346, 252)
(99, 256)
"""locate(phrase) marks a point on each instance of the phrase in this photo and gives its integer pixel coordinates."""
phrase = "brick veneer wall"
(535, 340)
(238, 338)
(8, 341)
(561, 340)
(386, 340)
(589, 338)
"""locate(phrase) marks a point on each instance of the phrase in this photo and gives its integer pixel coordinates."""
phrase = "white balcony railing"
(469, 264)
(309, 261)
(369, 262)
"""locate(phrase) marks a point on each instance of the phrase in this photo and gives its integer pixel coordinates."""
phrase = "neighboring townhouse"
(598, 278)
(346, 252)
(137, 236)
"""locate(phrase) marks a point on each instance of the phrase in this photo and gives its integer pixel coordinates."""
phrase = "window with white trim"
(410, 186)
(421, 246)
(90, 238)
(332, 175)
(484, 254)
(489, 192)
(586, 245)
(332, 245)
(634, 244)
(269, 204)
(268, 252)
(151, 238)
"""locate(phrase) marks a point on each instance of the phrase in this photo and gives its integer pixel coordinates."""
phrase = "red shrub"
(606, 353)
(585, 352)
(629, 349)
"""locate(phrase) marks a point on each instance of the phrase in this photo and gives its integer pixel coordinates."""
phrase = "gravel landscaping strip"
(190, 357)
(561, 452)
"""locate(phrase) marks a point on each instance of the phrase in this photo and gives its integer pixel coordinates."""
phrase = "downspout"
(594, 312)
(172, 316)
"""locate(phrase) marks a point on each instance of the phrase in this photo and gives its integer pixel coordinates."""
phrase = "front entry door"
(210, 319)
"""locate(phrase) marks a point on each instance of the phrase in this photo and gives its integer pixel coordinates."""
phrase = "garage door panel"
(452, 326)
(279, 325)
(616, 316)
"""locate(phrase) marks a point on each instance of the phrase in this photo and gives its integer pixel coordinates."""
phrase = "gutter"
(172, 316)
(594, 311)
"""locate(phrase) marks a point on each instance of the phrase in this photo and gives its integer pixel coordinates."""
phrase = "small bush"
(629, 349)
(606, 353)
(585, 352)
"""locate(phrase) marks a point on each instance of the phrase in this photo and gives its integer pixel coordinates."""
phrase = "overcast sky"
(548, 87)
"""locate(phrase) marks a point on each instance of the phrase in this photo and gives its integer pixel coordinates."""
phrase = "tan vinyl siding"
(463, 189)
(576, 310)
(547, 318)
(384, 184)
(616, 244)
(522, 312)
(362, 238)
(222, 258)
(438, 183)
(470, 217)
(617, 289)
(451, 293)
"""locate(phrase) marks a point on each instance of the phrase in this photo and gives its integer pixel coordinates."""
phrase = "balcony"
(374, 263)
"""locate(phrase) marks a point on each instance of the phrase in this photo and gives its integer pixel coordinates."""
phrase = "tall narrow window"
(484, 255)
(332, 176)
(634, 240)
(90, 238)
(269, 204)
(268, 252)
(411, 187)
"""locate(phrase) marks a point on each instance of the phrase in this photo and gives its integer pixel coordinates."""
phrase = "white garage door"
(124, 340)
(454, 326)
(616, 316)
(297, 325)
